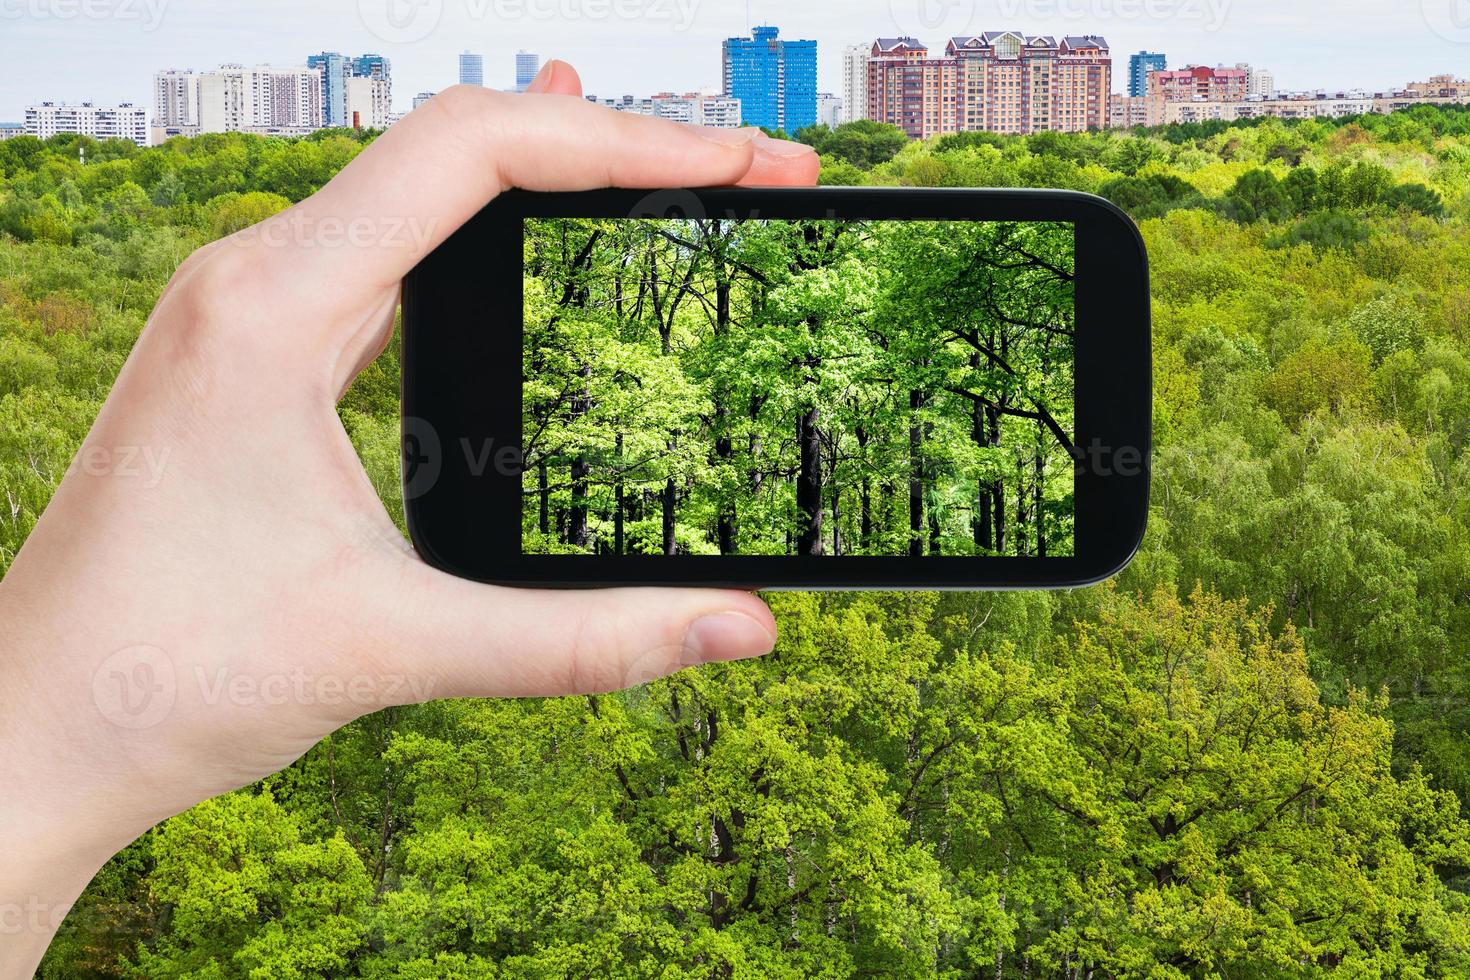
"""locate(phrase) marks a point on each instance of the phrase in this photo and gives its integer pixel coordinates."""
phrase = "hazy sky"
(107, 50)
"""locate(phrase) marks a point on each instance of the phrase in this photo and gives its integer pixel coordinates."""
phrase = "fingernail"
(542, 81)
(724, 637)
(782, 148)
(728, 137)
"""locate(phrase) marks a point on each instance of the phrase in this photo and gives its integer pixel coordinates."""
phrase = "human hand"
(169, 639)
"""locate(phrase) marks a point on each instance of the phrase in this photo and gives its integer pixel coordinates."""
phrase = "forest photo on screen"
(798, 388)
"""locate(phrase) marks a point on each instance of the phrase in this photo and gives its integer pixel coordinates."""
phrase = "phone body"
(538, 348)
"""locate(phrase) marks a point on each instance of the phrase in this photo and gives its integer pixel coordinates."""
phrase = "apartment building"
(855, 82)
(1000, 81)
(101, 122)
(285, 101)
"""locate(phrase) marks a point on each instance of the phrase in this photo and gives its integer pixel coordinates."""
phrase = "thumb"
(462, 639)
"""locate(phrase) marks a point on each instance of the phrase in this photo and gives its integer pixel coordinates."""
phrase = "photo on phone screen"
(814, 388)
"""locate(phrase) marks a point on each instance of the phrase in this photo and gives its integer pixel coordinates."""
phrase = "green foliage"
(824, 388)
(1260, 780)
(864, 143)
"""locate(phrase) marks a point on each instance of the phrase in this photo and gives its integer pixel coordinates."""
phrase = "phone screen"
(803, 388)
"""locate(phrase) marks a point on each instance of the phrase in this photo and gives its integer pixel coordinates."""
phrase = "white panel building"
(284, 101)
(855, 82)
(101, 122)
(830, 111)
(369, 103)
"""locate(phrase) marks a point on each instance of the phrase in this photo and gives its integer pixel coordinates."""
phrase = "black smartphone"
(830, 388)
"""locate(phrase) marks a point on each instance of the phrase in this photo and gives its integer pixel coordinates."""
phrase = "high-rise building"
(775, 80)
(1198, 83)
(528, 63)
(372, 66)
(1000, 81)
(855, 82)
(101, 122)
(422, 97)
(1128, 111)
(829, 110)
(238, 99)
(369, 103)
(1139, 66)
(337, 72)
(1259, 83)
(696, 108)
(471, 69)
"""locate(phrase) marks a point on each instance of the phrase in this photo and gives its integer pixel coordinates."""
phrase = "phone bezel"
(462, 406)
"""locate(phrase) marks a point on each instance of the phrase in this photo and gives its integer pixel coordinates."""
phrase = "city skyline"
(1359, 44)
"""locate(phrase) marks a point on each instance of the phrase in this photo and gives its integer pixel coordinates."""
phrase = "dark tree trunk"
(619, 504)
(578, 534)
(916, 477)
(997, 489)
(865, 495)
(757, 479)
(809, 483)
(1039, 521)
(724, 446)
(837, 521)
(543, 493)
(1020, 509)
(671, 500)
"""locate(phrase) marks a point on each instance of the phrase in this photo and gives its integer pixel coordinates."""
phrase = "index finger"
(444, 162)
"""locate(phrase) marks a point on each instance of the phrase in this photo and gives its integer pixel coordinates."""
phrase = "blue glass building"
(334, 68)
(1139, 65)
(471, 69)
(775, 80)
(528, 63)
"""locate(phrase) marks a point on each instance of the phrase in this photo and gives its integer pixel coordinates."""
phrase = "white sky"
(107, 50)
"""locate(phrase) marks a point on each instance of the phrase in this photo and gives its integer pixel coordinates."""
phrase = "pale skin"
(219, 544)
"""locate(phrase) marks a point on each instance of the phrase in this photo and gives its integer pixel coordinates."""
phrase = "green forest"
(732, 387)
(1249, 757)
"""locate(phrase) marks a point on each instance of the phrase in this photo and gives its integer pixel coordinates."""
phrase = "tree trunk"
(809, 483)
(916, 477)
(1039, 520)
(618, 543)
(543, 493)
(671, 499)
(724, 446)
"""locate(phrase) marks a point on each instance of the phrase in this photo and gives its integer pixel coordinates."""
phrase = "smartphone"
(829, 388)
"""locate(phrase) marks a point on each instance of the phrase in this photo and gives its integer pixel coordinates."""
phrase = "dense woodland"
(1249, 757)
(733, 387)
